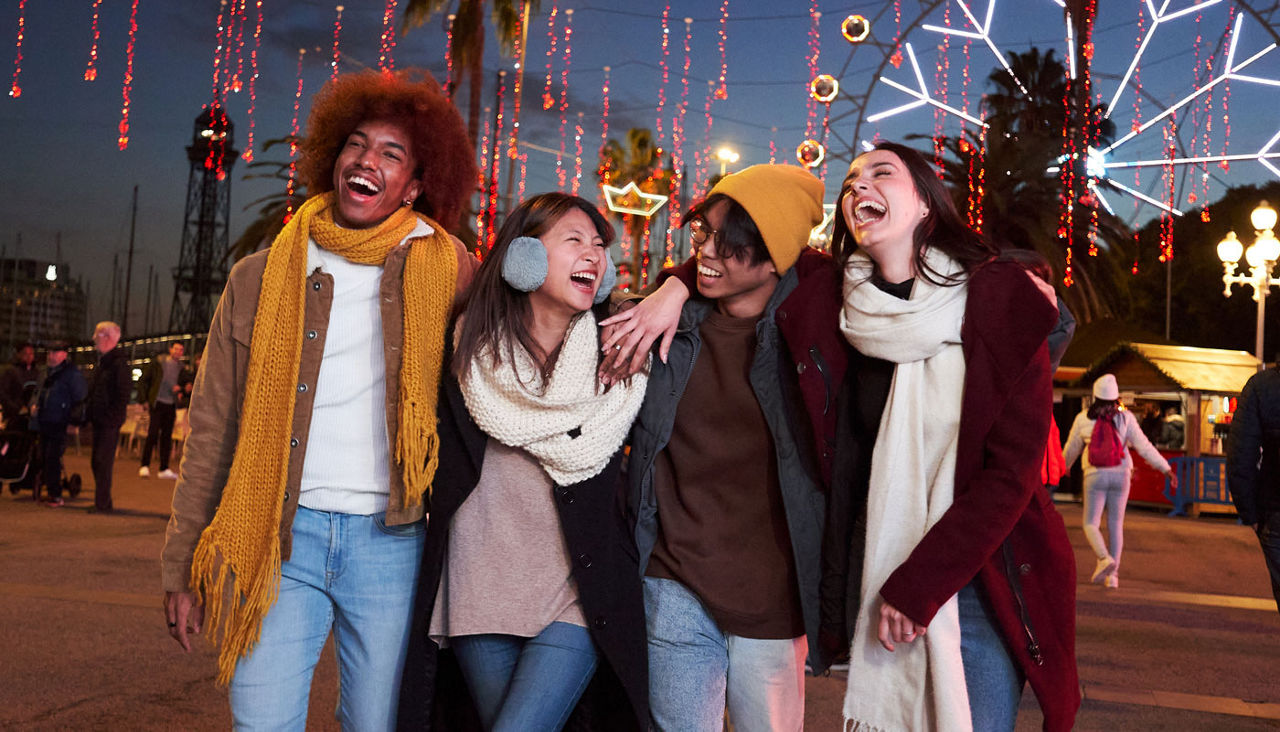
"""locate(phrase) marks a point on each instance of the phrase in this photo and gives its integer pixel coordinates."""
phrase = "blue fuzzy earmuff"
(525, 267)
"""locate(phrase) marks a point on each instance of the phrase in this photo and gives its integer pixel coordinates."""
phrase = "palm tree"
(1022, 199)
(642, 163)
(509, 21)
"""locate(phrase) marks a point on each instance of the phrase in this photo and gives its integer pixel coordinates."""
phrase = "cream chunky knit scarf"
(920, 686)
(570, 427)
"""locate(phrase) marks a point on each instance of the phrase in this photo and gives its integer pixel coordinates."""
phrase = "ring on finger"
(173, 625)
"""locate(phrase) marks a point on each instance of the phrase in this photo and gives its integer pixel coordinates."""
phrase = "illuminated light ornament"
(337, 32)
(810, 153)
(253, 81)
(855, 28)
(15, 90)
(91, 70)
(824, 88)
(549, 101)
(921, 95)
(122, 141)
(1157, 17)
(239, 18)
(983, 33)
(386, 59)
(722, 91)
(629, 199)
(293, 143)
(819, 237)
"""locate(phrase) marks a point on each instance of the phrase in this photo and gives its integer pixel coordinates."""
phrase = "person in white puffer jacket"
(1108, 487)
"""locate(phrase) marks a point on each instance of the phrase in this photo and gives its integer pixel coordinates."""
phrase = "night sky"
(63, 172)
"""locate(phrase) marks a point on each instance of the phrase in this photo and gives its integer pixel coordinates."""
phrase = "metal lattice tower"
(202, 269)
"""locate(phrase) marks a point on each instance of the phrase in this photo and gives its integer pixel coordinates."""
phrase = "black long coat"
(605, 568)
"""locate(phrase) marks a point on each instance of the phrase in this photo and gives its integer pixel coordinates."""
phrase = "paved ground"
(1191, 640)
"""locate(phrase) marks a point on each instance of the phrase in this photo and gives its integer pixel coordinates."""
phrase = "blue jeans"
(527, 683)
(994, 681)
(350, 574)
(696, 670)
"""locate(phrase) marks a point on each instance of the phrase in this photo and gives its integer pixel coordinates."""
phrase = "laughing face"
(881, 206)
(575, 266)
(374, 175)
(735, 283)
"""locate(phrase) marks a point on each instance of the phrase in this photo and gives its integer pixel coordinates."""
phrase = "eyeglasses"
(700, 231)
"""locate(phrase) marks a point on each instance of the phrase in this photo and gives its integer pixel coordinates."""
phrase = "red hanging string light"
(702, 157)
(722, 91)
(548, 101)
(91, 70)
(644, 258)
(237, 82)
(666, 74)
(517, 84)
(941, 76)
(448, 54)
(337, 34)
(386, 57)
(577, 156)
(677, 148)
(126, 89)
(481, 245)
(253, 81)
(561, 173)
(221, 65)
(1170, 185)
(15, 90)
(811, 58)
(1226, 101)
(491, 204)
(604, 116)
(896, 58)
(293, 142)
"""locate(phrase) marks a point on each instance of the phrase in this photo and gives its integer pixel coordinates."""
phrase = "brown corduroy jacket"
(217, 401)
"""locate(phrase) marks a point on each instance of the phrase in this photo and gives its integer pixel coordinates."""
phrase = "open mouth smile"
(584, 280)
(867, 212)
(705, 271)
(362, 185)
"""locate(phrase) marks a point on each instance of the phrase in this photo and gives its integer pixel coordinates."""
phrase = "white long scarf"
(568, 426)
(920, 686)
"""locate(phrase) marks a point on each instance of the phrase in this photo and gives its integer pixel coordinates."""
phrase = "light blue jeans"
(1106, 489)
(696, 671)
(527, 683)
(993, 680)
(350, 574)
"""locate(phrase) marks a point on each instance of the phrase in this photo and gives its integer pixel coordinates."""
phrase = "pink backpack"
(1106, 449)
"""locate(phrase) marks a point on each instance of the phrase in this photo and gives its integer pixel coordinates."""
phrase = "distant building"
(40, 302)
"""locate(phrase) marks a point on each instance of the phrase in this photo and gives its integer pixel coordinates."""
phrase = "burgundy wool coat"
(1002, 527)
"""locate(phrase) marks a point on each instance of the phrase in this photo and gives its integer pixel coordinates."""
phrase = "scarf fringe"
(417, 451)
(234, 630)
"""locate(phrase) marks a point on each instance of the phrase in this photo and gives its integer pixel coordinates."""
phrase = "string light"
(524, 160)
(703, 158)
(217, 53)
(481, 245)
(126, 90)
(91, 70)
(773, 145)
(815, 45)
(644, 260)
(293, 142)
(665, 69)
(722, 91)
(564, 94)
(15, 90)
(236, 81)
(337, 33)
(941, 75)
(602, 168)
(549, 101)
(677, 147)
(386, 58)
(253, 81)
(896, 58)
(577, 156)
(1226, 98)
(221, 60)
(491, 206)
(518, 84)
(1166, 218)
(448, 55)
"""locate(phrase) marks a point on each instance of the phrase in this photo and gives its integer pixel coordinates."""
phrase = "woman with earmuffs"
(529, 582)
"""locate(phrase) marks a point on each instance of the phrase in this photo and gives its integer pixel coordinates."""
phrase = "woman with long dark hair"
(1107, 485)
(947, 573)
(528, 574)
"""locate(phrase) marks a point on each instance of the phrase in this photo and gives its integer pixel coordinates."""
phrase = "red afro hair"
(411, 99)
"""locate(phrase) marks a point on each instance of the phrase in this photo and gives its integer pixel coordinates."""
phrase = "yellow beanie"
(784, 201)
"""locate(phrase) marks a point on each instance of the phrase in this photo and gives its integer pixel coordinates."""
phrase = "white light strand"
(1157, 17)
(982, 34)
(922, 95)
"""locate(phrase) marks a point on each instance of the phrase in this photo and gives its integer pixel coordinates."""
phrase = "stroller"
(20, 461)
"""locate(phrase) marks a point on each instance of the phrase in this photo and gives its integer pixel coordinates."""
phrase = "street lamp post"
(1261, 257)
(726, 156)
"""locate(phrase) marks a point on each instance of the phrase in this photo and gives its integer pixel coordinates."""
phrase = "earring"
(525, 265)
(925, 214)
(408, 201)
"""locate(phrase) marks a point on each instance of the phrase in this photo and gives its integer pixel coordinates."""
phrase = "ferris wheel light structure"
(1157, 17)
(984, 35)
(922, 96)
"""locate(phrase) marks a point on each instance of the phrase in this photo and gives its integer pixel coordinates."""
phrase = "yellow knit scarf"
(242, 543)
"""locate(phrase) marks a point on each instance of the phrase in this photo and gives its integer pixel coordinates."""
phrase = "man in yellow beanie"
(730, 455)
